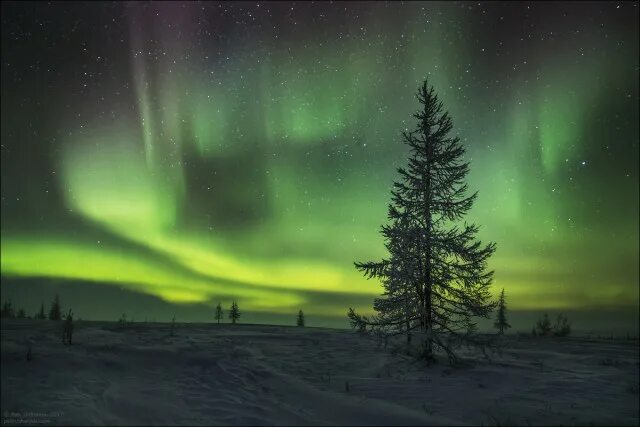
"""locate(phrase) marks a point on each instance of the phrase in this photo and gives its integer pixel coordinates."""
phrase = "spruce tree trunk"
(407, 322)
(428, 341)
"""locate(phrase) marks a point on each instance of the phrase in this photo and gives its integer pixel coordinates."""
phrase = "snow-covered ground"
(273, 375)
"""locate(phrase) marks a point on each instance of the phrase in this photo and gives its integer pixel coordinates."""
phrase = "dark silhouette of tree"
(219, 313)
(435, 276)
(67, 328)
(7, 310)
(234, 312)
(543, 326)
(122, 321)
(56, 312)
(40, 314)
(300, 319)
(501, 319)
(562, 327)
(21, 314)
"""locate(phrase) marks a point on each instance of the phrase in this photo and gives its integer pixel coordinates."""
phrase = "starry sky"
(180, 154)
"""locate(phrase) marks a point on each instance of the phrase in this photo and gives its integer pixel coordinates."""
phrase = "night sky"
(190, 153)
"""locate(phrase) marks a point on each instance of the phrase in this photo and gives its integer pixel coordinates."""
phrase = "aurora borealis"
(198, 152)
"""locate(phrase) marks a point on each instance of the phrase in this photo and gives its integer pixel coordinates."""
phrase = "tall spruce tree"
(56, 311)
(501, 318)
(234, 313)
(300, 318)
(40, 315)
(435, 278)
(219, 313)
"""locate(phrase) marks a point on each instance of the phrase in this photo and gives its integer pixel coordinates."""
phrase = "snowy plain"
(209, 374)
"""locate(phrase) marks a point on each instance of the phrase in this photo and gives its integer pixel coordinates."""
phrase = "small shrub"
(241, 352)
(609, 362)
(539, 364)
(67, 329)
(543, 326)
(122, 322)
(7, 310)
(562, 328)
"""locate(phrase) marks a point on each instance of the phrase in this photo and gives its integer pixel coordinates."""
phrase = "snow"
(275, 375)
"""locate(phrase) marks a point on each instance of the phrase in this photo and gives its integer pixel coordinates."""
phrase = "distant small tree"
(21, 314)
(56, 312)
(234, 313)
(219, 313)
(7, 310)
(122, 322)
(543, 326)
(29, 351)
(562, 327)
(300, 319)
(40, 314)
(67, 328)
(501, 320)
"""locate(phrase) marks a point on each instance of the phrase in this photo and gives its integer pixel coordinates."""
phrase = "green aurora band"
(257, 164)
